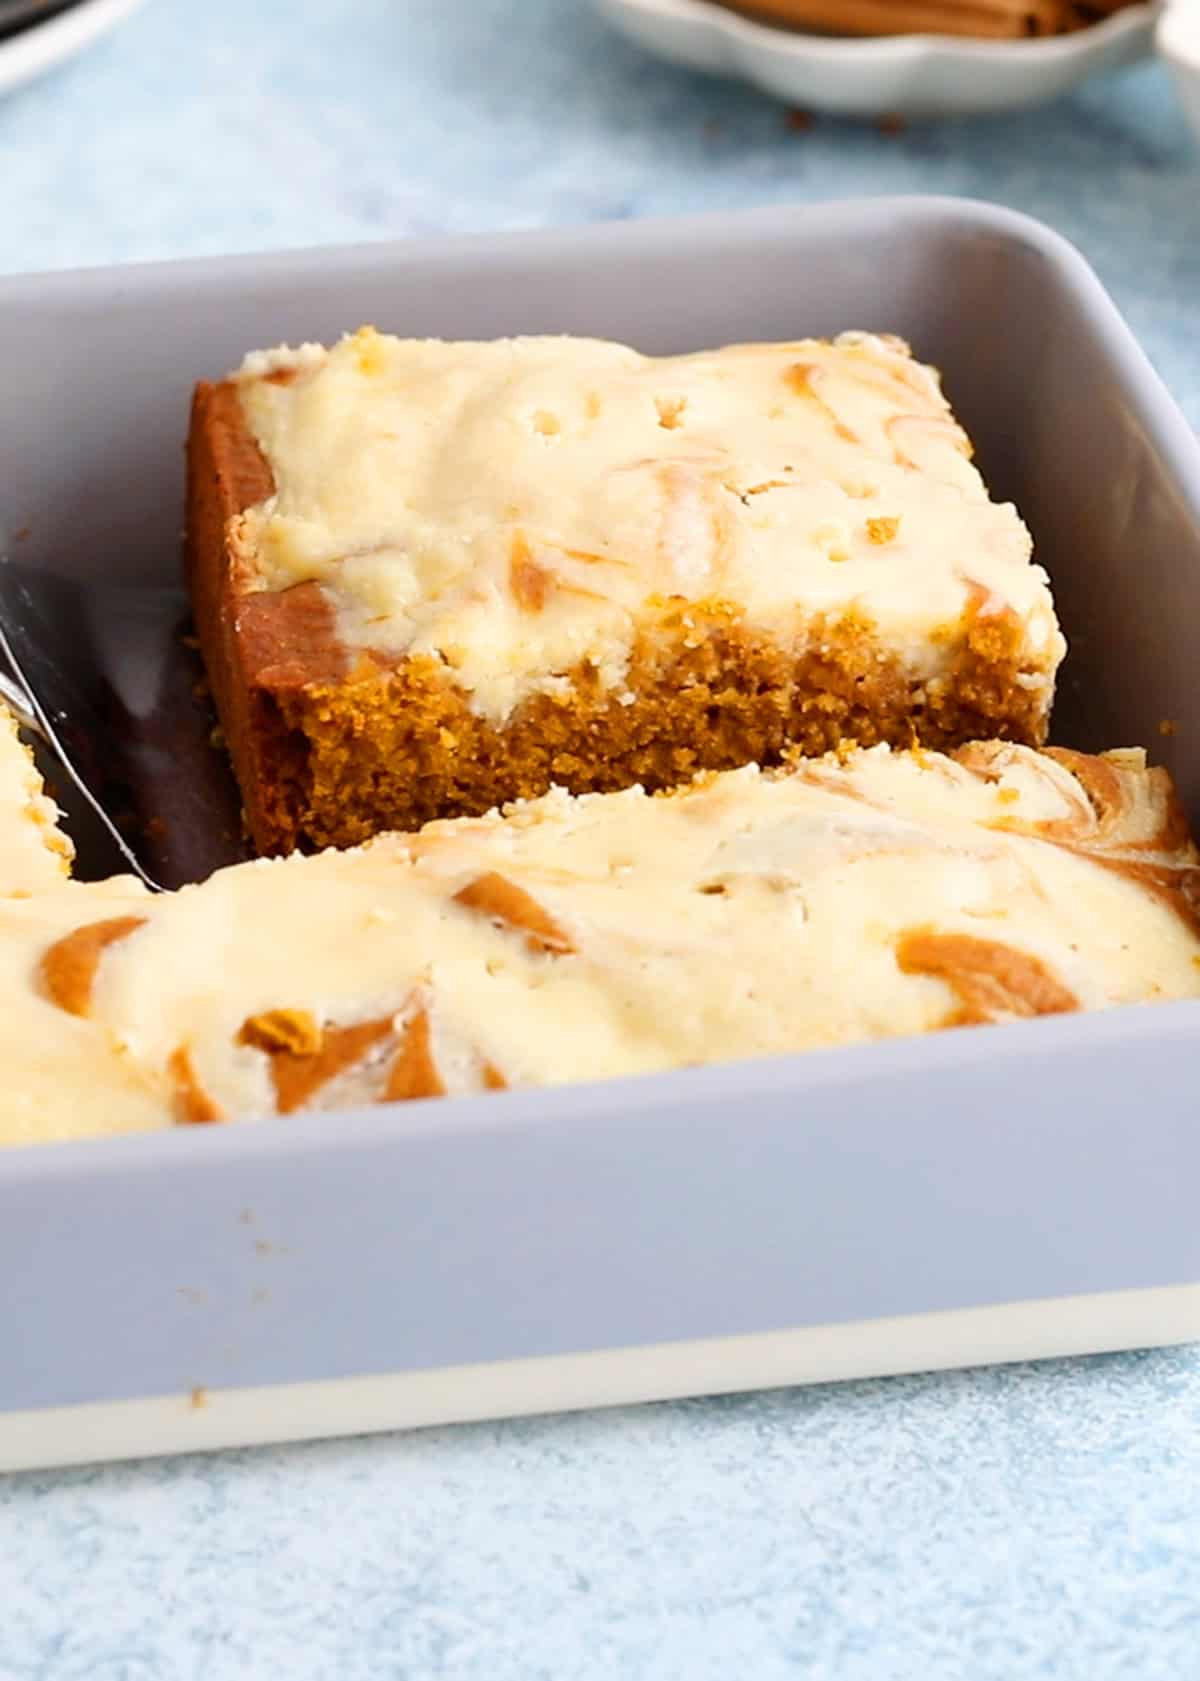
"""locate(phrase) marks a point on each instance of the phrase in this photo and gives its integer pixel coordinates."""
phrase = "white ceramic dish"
(1179, 44)
(904, 75)
(47, 45)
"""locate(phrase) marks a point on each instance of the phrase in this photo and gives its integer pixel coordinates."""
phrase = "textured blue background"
(989, 1526)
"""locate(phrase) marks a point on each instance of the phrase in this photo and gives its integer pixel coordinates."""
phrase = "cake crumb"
(295, 1031)
(198, 1397)
(1168, 726)
(883, 529)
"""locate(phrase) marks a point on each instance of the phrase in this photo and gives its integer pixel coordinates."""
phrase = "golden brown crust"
(226, 474)
(328, 755)
(253, 642)
(288, 639)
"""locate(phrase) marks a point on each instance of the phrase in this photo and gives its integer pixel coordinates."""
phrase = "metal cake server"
(101, 677)
(33, 720)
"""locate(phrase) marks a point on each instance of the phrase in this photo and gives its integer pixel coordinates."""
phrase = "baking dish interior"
(1043, 1161)
(1067, 420)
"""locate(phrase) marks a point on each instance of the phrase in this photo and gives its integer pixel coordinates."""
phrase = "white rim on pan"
(44, 45)
(897, 49)
(220, 1418)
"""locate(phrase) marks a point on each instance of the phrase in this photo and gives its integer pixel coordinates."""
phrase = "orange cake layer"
(430, 577)
(849, 899)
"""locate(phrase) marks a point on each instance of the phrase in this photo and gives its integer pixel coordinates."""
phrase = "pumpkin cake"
(430, 578)
(850, 898)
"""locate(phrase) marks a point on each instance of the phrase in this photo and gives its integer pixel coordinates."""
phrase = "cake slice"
(430, 578)
(749, 914)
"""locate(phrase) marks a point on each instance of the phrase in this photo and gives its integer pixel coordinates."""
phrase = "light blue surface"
(992, 1526)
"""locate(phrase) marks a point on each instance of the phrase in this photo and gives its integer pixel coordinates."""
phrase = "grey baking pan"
(989, 1194)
